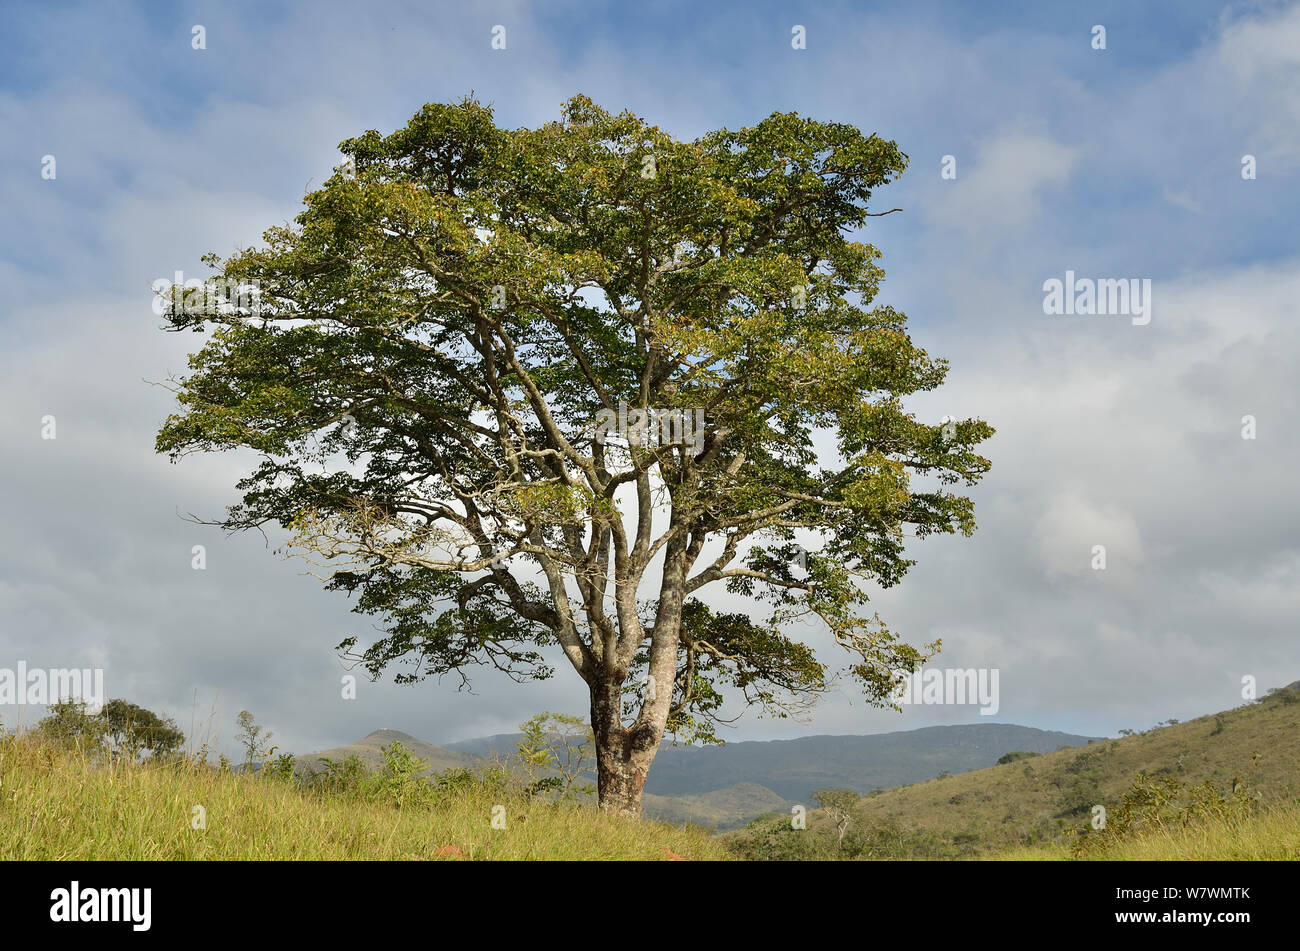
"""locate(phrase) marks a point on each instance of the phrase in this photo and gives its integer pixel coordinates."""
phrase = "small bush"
(1012, 757)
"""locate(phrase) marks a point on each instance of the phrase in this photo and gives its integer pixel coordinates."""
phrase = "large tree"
(535, 387)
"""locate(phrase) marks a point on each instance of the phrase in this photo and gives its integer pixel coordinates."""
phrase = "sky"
(1128, 162)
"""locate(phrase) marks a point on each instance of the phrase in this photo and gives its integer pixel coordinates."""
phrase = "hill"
(794, 769)
(368, 749)
(1032, 802)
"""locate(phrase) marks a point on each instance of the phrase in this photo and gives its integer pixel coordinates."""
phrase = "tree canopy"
(523, 388)
(119, 727)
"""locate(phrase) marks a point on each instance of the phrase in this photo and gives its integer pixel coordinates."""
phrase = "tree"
(536, 757)
(120, 727)
(69, 721)
(254, 739)
(516, 389)
(839, 805)
(555, 742)
(130, 730)
(401, 778)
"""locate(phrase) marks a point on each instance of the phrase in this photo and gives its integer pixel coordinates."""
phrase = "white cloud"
(1002, 190)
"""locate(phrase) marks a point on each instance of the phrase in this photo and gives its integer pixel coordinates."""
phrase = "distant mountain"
(792, 770)
(369, 749)
(501, 743)
(726, 786)
(795, 769)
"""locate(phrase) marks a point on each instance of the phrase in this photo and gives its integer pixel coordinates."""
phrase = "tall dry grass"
(64, 803)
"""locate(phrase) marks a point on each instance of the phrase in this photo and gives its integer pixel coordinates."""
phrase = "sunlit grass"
(57, 805)
(1273, 835)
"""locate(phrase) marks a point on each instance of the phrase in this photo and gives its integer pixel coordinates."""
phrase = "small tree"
(132, 731)
(1013, 756)
(255, 741)
(838, 804)
(402, 778)
(559, 742)
(283, 767)
(536, 757)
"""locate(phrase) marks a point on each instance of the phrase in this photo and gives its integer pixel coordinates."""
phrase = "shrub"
(1012, 757)
(1163, 803)
(401, 779)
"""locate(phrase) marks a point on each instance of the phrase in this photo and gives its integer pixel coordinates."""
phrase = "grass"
(1274, 835)
(1028, 805)
(58, 804)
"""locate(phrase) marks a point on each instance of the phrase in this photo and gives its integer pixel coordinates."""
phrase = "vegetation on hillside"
(1225, 785)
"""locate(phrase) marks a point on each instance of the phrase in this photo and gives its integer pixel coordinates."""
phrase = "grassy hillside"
(1274, 836)
(58, 805)
(1038, 798)
(1035, 803)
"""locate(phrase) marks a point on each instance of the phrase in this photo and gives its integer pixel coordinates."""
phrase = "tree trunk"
(624, 755)
(622, 763)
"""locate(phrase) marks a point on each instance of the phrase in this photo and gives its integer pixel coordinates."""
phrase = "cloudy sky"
(1123, 162)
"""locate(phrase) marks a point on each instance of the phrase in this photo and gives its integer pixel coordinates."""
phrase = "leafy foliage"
(1013, 756)
(555, 751)
(255, 739)
(120, 728)
(433, 342)
(1164, 803)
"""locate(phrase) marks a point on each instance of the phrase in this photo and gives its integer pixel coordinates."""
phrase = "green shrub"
(1012, 757)
(1163, 804)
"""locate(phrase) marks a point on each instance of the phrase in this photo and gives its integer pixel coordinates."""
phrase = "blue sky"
(1118, 163)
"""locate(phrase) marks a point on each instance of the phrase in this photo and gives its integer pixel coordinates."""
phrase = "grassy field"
(1272, 836)
(58, 805)
(1225, 786)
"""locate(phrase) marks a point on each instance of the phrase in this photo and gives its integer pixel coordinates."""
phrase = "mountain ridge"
(796, 768)
(724, 786)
